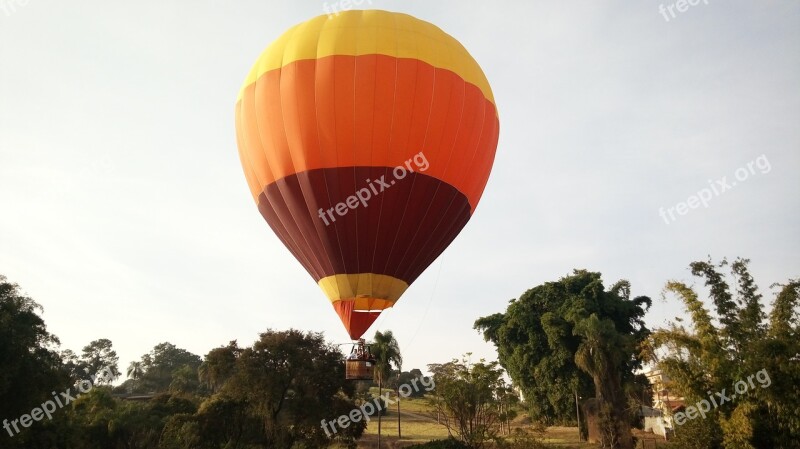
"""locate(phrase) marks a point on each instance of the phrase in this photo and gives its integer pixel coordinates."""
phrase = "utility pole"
(578, 416)
(399, 432)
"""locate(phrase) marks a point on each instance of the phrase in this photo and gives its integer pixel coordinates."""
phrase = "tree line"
(576, 338)
(561, 342)
(273, 393)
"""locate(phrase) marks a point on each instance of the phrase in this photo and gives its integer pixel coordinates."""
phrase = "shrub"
(522, 439)
(450, 443)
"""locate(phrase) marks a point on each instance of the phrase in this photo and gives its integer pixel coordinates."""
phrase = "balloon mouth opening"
(355, 321)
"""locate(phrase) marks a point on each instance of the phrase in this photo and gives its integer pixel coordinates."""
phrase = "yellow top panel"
(355, 33)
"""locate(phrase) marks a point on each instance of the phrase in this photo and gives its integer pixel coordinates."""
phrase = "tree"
(161, 365)
(469, 399)
(397, 379)
(76, 368)
(218, 366)
(601, 353)
(733, 344)
(573, 335)
(387, 353)
(222, 422)
(184, 380)
(31, 367)
(102, 422)
(291, 381)
(99, 355)
(135, 371)
(507, 401)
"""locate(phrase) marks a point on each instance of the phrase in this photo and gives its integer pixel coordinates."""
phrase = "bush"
(698, 434)
(450, 443)
(522, 439)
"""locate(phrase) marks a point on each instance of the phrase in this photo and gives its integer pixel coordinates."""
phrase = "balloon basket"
(360, 364)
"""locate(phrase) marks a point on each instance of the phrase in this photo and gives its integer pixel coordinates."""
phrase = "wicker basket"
(358, 369)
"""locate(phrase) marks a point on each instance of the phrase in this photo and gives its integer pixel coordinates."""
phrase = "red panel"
(354, 321)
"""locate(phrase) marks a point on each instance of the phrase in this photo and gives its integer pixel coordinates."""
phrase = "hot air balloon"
(366, 139)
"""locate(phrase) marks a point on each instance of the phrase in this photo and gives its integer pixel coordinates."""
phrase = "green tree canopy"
(273, 394)
(734, 343)
(219, 366)
(281, 380)
(99, 355)
(470, 400)
(31, 366)
(167, 366)
(568, 336)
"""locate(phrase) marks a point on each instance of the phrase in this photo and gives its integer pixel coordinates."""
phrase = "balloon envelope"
(366, 138)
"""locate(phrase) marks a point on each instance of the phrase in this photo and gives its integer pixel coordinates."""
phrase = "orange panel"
(296, 102)
(370, 110)
(364, 82)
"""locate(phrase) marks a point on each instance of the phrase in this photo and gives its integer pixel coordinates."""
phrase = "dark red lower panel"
(396, 227)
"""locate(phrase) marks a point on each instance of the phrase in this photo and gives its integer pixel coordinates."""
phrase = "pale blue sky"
(126, 215)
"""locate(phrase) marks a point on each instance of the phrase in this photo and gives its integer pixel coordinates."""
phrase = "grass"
(565, 437)
(418, 425)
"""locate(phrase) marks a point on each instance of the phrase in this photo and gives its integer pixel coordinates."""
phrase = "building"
(658, 418)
